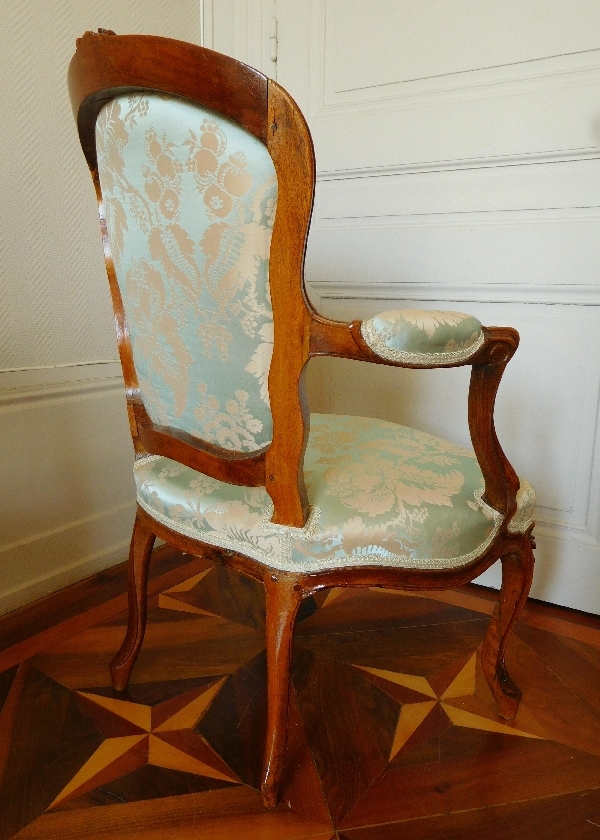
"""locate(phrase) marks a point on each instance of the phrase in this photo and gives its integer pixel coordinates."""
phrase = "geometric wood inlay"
(414, 716)
(393, 730)
(170, 742)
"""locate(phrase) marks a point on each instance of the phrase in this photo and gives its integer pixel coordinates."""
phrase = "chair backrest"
(204, 171)
(189, 200)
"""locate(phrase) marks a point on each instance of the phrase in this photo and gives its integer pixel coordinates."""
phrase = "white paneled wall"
(458, 167)
(458, 152)
(66, 488)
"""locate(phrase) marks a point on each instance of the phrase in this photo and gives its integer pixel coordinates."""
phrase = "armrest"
(423, 337)
(429, 339)
(404, 337)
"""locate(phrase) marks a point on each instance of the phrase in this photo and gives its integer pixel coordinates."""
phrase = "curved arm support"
(335, 338)
(501, 481)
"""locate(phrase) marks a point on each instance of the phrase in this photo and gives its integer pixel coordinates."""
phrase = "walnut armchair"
(204, 174)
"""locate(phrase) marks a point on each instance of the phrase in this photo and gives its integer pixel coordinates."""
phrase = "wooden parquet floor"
(393, 735)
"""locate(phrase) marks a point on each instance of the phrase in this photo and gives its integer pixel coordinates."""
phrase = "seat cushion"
(380, 494)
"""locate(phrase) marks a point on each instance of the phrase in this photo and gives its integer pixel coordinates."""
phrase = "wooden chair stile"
(105, 69)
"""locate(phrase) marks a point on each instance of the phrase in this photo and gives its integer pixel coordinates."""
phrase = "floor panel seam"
(469, 810)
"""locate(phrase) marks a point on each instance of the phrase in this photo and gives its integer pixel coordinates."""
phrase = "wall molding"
(462, 218)
(550, 529)
(535, 75)
(459, 164)
(567, 294)
(20, 399)
(14, 381)
(76, 523)
(535, 72)
(206, 24)
(241, 29)
(582, 62)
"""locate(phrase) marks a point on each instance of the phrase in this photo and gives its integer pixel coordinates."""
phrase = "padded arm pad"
(423, 336)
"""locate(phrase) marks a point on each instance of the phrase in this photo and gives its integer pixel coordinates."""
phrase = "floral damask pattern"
(380, 494)
(523, 518)
(190, 199)
(232, 427)
(423, 336)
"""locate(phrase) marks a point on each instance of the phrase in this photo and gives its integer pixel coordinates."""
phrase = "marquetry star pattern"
(136, 735)
(419, 706)
(428, 706)
(178, 597)
(165, 735)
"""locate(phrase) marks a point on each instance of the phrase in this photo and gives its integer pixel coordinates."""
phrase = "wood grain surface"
(393, 730)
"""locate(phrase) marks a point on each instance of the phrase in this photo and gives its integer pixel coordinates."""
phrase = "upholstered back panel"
(189, 199)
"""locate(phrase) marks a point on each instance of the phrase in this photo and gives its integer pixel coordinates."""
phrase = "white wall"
(458, 167)
(66, 488)
(470, 184)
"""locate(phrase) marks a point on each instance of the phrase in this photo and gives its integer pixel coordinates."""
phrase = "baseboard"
(52, 560)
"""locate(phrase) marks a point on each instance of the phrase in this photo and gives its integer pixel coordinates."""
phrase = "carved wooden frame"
(105, 66)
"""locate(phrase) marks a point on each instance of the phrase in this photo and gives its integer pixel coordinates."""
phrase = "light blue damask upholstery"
(422, 336)
(189, 199)
(381, 494)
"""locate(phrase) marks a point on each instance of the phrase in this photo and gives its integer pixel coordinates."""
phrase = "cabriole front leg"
(517, 573)
(142, 542)
(284, 594)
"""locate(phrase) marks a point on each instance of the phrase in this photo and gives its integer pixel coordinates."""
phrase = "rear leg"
(142, 542)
